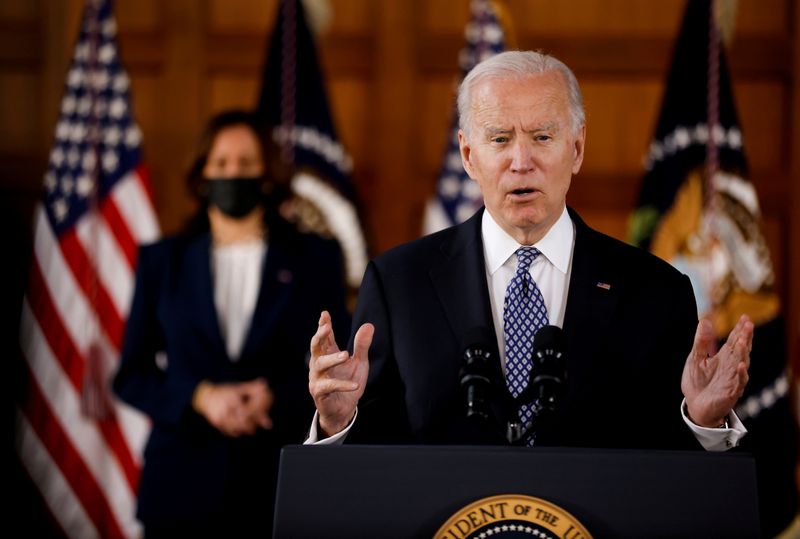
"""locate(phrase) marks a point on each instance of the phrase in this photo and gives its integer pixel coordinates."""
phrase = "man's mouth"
(523, 191)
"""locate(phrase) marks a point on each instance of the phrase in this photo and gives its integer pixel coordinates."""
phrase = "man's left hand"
(712, 384)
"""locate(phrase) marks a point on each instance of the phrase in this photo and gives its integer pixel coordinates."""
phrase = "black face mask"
(235, 197)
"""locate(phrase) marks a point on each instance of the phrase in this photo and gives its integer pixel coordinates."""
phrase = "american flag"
(457, 197)
(81, 448)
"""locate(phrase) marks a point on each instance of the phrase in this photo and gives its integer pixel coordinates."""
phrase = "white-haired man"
(630, 319)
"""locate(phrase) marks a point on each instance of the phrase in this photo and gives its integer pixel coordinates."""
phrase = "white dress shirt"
(550, 271)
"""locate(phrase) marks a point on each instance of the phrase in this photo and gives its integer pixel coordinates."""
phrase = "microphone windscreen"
(478, 337)
(550, 337)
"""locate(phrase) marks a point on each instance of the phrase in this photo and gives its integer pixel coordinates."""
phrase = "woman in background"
(216, 342)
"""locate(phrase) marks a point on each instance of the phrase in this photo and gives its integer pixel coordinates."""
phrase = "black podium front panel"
(411, 491)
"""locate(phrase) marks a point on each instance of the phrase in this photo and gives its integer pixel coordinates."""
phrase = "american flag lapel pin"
(604, 286)
(284, 276)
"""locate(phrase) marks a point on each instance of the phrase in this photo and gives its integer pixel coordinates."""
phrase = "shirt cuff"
(336, 439)
(713, 439)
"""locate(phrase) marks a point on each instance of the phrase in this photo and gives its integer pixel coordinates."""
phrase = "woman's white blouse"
(236, 270)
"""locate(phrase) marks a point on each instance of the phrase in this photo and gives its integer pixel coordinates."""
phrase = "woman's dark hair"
(276, 171)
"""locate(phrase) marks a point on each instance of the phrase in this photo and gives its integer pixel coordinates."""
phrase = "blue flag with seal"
(698, 210)
(294, 101)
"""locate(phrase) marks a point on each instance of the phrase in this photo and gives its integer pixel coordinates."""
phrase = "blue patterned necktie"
(524, 312)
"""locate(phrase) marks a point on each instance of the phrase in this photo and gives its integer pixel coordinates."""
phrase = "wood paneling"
(241, 15)
(793, 201)
(762, 107)
(227, 92)
(352, 114)
(620, 120)
(21, 92)
(141, 15)
(18, 10)
(390, 68)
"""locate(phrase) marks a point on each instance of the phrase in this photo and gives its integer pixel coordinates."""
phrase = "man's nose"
(522, 157)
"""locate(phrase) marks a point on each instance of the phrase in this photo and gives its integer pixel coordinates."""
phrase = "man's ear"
(578, 149)
(466, 152)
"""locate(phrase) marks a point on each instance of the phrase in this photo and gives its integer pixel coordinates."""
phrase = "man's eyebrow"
(547, 126)
(491, 130)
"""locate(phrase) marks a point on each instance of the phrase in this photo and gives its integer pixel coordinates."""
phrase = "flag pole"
(712, 153)
(288, 78)
(95, 393)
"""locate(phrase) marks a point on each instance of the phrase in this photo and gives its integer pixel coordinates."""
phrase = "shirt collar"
(556, 245)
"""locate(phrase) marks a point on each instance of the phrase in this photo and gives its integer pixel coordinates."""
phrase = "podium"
(412, 491)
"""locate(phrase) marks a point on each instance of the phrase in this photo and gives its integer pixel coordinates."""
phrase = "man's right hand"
(336, 379)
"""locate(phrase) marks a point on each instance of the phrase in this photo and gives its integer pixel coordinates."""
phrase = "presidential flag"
(699, 210)
(294, 101)
(457, 197)
(81, 447)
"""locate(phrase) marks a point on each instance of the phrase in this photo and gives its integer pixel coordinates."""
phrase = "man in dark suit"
(629, 318)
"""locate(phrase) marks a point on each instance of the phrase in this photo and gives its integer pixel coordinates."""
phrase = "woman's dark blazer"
(173, 341)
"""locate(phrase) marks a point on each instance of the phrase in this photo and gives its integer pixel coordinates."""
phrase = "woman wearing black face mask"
(217, 338)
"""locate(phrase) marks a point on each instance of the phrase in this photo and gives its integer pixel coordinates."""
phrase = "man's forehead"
(553, 81)
(529, 112)
(534, 91)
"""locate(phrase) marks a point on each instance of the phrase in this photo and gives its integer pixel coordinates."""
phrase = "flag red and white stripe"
(80, 446)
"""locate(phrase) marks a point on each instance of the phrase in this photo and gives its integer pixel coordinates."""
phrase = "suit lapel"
(594, 290)
(200, 290)
(459, 278)
(277, 280)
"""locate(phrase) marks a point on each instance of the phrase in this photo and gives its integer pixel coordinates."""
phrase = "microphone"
(549, 370)
(547, 383)
(475, 373)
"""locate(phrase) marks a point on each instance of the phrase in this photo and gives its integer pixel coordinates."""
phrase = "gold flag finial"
(726, 19)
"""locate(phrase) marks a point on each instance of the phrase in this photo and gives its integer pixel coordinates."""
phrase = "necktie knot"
(525, 257)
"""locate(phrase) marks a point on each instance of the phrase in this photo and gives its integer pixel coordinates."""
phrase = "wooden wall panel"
(18, 10)
(620, 119)
(763, 114)
(764, 17)
(145, 107)
(21, 90)
(435, 109)
(137, 15)
(336, 16)
(613, 223)
(349, 99)
(793, 200)
(224, 92)
(353, 16)
(390, 68)
(596, 17)
(241, 15)
(441, 16)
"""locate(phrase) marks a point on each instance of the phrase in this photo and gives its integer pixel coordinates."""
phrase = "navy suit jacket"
(627, 344)
(190, 469)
